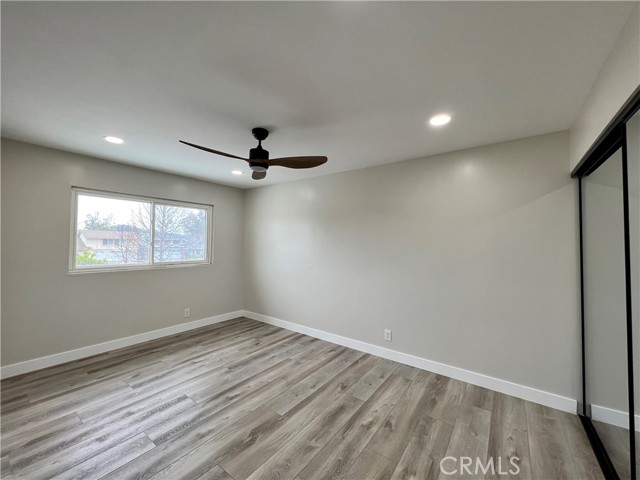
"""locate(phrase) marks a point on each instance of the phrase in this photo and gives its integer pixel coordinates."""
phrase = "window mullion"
(152, 260)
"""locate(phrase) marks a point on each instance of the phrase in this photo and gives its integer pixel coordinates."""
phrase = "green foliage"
(87, 257)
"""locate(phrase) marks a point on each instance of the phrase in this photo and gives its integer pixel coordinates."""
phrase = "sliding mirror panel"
(633, 175)
(605, 315)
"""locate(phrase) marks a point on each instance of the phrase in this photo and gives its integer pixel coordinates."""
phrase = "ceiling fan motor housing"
(255, 156)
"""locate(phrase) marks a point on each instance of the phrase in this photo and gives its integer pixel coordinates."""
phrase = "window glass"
(180, 233)
(118, 231)
(111, 232)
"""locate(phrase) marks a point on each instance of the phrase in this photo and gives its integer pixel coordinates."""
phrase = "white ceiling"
(354, 81)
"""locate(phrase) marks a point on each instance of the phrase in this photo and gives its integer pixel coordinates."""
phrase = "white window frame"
(74, 269)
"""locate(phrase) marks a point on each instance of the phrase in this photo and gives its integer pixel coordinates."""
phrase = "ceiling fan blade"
(258, 175)
(297, 162)
(210, 150)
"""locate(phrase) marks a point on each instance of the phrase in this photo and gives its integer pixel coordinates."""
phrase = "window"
(113, 231)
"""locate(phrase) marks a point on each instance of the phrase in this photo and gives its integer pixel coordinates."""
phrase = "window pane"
(111, 232)
(180, 234)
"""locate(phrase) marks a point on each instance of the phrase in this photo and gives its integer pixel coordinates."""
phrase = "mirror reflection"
(605, 314)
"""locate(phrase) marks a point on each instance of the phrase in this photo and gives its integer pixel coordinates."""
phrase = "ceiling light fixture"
(115, 140)
(440, 119)
(236, 172)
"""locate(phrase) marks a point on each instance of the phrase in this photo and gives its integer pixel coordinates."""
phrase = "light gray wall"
(619, 77)
(469, 257)
(45, 310)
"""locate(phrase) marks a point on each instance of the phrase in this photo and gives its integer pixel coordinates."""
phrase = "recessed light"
(440, 119)
(114, 140)
(236, 172)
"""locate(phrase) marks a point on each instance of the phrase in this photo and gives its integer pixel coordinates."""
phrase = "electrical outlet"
(187, 312)
(387, 335)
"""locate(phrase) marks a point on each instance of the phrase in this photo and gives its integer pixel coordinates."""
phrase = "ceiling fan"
(259, 161)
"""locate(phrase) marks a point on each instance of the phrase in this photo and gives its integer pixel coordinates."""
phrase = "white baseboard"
(70, 355)
(503, 386)
(613, 417)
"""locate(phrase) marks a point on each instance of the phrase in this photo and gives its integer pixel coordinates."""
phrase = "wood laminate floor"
(244, 400)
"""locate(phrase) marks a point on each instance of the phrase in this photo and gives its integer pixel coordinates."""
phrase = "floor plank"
(393, 436)
(425, 450)
(470, 439)
(370, 466)
(375, 377)
(215, 473)
(509, 436)
(287, 462)
(549, 453)
(107, 461)
(478, 397)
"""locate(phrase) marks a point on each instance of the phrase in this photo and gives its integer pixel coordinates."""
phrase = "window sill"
(132, 268)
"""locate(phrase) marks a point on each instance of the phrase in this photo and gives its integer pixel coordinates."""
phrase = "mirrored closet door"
(609, 184)
(605, 317)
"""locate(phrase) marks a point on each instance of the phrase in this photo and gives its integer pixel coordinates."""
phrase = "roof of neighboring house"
(118, 235)
(100, 234)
